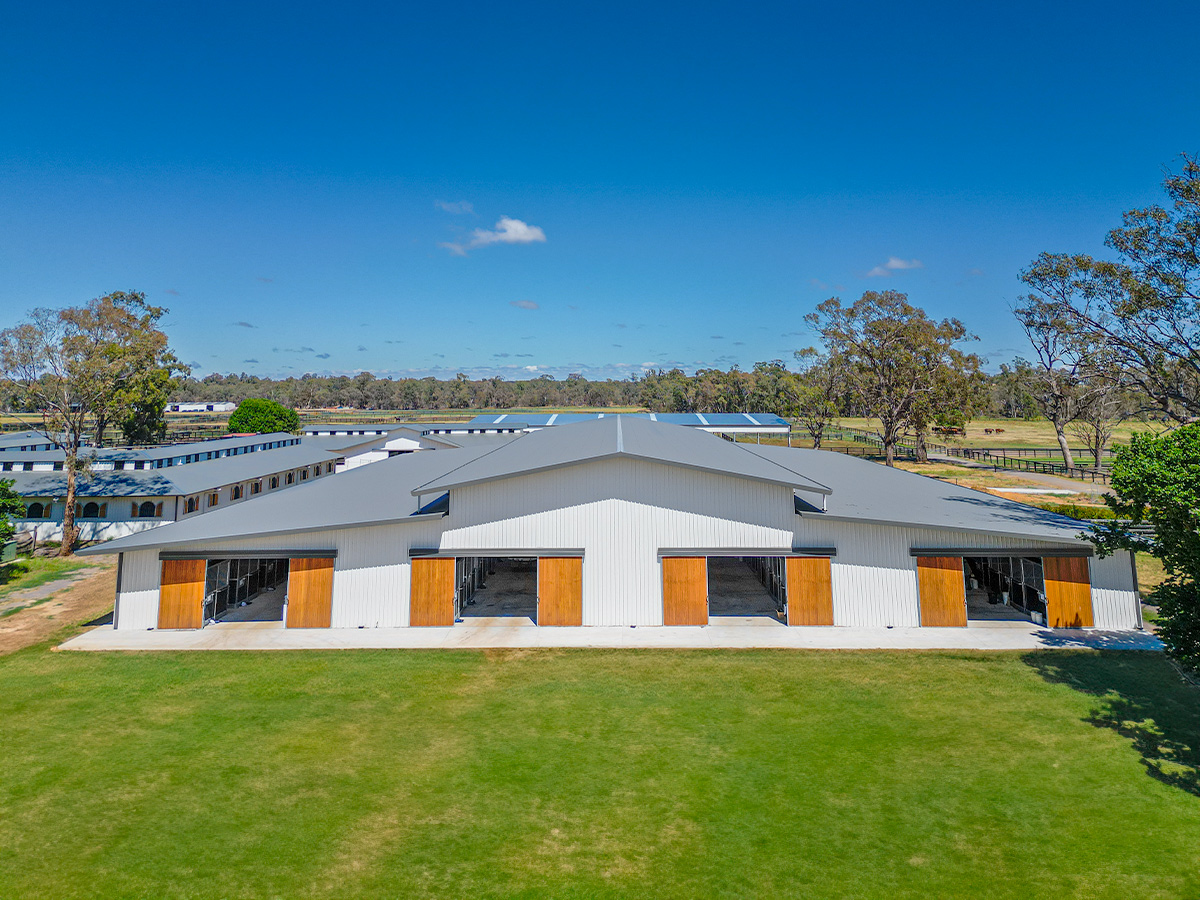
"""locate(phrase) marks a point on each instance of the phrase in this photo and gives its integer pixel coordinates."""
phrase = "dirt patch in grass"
(979, 479)
(81, 602)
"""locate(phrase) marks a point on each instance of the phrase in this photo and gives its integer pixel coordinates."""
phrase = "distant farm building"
(221, 406)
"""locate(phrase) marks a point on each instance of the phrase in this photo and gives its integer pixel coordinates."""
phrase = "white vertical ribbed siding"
(875, 577)
(370, 573)
(620, 513)
(1114, 594)
(137, 603)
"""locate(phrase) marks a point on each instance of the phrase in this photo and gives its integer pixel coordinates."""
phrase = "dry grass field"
(1016, 432)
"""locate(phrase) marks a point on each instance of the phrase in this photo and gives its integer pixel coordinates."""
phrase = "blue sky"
(531, 188)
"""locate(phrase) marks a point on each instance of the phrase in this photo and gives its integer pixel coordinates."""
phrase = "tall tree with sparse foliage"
(1143, 308)
(814, 392)
(897, 360)
(77, 368)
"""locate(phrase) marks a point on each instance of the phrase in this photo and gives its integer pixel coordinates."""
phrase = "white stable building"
(623, 521)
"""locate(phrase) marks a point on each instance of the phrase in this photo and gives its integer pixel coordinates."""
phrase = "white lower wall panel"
(1115, 601)
(137, 601)
(621, 515)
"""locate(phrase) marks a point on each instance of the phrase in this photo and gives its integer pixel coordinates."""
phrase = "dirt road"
(81, 602)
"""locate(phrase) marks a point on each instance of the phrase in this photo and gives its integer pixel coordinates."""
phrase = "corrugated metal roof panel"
(379, 492)
(613, 435)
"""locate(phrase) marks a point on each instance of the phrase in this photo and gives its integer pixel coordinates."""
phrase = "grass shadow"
(14, 571)
(1141, 697)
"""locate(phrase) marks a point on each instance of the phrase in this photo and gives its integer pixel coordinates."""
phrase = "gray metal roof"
(213, 446)
(854, 489)
(151, 454)
(490, 440)
(620, 436)
(379, 492)
(190, 479)
(765, 422)
(867, 491)
(202, 476)
(13, 441)
(371, 430)
(340, 443)
(118, 483)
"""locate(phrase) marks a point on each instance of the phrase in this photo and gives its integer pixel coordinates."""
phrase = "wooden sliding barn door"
(310, 593)
(943, 593)
(809, 590)
(431, 598)
(560, 590)
(181, 593)
(1068, 592)
(685, 590)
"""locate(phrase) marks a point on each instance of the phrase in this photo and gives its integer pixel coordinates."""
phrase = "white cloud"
(523, 304)
(531, 368)
(893, 264)
(508, 231)
(461, 208)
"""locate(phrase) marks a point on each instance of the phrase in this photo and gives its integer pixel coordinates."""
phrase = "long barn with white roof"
(622, 521)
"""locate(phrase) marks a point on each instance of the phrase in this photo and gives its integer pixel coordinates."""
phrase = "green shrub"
(1078, 511)
(256, 416)
(1178, 620)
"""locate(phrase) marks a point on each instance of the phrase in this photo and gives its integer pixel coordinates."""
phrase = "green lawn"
(598, 774)
(28, 572)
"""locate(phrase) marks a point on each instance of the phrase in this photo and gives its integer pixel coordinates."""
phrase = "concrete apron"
(732, 634)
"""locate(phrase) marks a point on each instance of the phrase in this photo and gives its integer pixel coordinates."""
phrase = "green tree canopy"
(258, 416)
(903, 367)
(80, 368)
(1143, 309)
(11, 507)
(1156, 480)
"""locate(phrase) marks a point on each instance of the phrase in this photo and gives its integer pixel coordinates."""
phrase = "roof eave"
(108, 548)
(896, 523)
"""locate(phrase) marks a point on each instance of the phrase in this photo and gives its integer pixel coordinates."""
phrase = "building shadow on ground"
(1142, 697)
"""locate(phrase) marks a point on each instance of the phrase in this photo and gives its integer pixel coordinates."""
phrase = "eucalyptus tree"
(84, 367)
(815, 392)
(897, 360)
(1143, 308)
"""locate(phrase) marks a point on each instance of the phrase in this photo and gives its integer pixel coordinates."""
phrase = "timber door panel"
(943, 593)
(431, 598)
(310, 593)
(809, 590)
(1068, 592)
(685, 590)
(181, 593)
(560, 590)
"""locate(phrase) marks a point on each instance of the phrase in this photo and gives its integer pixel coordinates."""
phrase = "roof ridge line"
(416, 491)
(772, 462)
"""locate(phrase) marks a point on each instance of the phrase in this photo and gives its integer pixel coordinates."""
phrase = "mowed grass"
(598, 774)
(30, 572)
